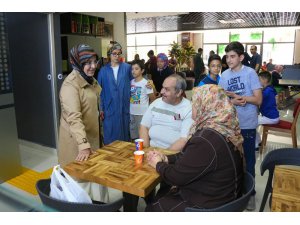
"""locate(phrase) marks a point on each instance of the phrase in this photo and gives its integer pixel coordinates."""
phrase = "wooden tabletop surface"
(114, 166)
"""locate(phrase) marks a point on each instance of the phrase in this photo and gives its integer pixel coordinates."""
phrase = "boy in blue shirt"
(243, 87)
(215, 66)
(268, 107)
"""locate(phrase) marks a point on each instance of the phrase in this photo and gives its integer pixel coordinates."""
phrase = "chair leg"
(264, 140)
(268, 190)
(294, 139)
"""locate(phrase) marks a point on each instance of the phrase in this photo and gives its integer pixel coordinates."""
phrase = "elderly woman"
(162, 71)
(208, 172)
(114, 78)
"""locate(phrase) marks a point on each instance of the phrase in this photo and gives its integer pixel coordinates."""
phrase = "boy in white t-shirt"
(139, 97)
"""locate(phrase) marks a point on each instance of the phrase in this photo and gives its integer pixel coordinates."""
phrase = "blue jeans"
(249, 136)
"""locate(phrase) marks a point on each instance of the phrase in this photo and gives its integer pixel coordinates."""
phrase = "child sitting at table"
(268, 108)
(140, 97)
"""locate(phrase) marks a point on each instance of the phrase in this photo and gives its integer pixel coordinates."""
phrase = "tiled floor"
(40, 158)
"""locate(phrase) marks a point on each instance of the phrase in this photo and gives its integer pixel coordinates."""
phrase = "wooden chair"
(283, 126)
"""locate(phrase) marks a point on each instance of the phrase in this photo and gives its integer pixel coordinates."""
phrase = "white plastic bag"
(97, 192)
(63, 187)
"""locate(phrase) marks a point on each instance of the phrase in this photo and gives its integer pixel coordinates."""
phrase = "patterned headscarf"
(79, 55)
(113, 46)
(164, 58)
(215, 111)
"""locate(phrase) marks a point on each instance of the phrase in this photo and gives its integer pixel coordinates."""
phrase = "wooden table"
(286, 189)
(114, 166)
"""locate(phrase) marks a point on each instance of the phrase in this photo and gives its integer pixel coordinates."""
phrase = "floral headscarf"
(79, 55)
(215, 111)
(164, 58)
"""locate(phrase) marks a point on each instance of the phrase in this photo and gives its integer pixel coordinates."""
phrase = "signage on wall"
(5, 76)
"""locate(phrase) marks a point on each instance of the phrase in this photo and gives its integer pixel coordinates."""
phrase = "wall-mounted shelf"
(80, 24)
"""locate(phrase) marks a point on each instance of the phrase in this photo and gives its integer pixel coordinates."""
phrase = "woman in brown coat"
(79, 126)
(79, 98)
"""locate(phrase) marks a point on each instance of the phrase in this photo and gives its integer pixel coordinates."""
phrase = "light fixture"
(186, 23)
(232, 21)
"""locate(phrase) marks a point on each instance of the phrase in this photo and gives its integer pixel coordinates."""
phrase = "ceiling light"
(189, 23)
(232, 21)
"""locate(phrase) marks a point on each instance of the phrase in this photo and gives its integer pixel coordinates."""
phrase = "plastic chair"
(283, 126)
(43, 188)
(237, 205)
(282, 156)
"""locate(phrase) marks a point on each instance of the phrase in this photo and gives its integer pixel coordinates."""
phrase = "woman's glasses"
(116, 54)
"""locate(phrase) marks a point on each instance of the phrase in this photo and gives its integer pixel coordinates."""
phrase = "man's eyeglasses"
(116, 54)
(91, 63)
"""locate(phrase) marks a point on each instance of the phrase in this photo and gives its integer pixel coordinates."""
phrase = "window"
(273, 35)
(143, 50)
(145, 39)
(216, 36)
(166, 38)
(130, 40)
(281, 53)
(246, 35)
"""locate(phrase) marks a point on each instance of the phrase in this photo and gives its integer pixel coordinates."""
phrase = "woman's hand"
(153, 157)
(83, 154)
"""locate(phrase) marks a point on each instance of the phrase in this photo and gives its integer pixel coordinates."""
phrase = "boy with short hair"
(139, 97)
(243, 87)
(214, 69)
(268, 107)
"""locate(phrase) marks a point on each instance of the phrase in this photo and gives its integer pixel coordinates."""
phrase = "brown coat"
(79, 126)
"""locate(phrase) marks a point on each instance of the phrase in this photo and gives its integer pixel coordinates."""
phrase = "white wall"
(198, 41)
(118, 20)
(297, 47)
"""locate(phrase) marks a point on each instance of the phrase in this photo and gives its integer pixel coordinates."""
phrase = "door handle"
(49, 77)
(60, 76)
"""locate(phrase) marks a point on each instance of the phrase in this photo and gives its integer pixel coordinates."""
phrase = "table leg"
(130, 202)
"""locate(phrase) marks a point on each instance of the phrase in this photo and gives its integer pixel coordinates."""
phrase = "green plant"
(182, 54)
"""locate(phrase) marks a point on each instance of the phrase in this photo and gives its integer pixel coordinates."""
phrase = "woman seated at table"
(208, 172)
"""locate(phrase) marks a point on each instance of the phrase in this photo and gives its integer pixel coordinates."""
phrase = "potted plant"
(182, 54)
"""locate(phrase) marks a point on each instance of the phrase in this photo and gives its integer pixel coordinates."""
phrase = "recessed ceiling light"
(189, 23)
(232, 21)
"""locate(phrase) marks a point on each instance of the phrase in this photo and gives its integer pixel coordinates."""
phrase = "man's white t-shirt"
(167, 123)
(139, 99)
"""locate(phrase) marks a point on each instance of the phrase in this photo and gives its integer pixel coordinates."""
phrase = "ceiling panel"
(211, 20)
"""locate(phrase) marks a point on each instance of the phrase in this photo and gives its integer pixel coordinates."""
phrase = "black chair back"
(237, 205)
(282, 156)
(43, 188)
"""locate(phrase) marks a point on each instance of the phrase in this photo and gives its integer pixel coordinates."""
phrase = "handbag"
(64, 187)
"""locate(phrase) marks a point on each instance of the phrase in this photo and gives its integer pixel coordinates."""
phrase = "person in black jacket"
(208, 172)
(161, 72)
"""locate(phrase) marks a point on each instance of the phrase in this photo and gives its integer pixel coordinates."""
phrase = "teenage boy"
(243, 87)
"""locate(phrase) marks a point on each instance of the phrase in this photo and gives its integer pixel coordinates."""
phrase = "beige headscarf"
(215, 111)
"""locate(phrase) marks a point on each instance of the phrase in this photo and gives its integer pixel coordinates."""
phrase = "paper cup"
(139, 144)
(138, 156)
